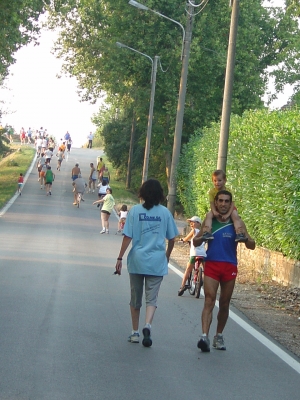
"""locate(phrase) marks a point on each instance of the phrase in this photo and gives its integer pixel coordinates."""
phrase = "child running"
(20, 183)
(49, 178)
(122, 218)
(219, 181)
(199, 251)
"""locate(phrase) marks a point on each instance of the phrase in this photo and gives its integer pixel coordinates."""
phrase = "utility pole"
(180, 110)
(227, 98)
(150, 119)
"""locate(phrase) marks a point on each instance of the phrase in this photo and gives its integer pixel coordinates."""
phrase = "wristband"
(119, 259)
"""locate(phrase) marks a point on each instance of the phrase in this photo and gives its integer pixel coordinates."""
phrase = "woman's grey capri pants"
(152, 285)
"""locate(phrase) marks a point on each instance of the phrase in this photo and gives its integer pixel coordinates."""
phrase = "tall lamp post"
(185, 54)
(227, 98)
(150, 116)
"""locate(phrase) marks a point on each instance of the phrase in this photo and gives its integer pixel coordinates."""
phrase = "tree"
(87, 45)
(19, 26)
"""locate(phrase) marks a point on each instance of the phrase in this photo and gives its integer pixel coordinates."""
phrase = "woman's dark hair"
(124, 207)
(152, 193)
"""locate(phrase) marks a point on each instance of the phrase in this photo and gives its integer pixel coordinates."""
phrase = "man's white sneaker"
(103, 230)
(219, 343)
(134, 338)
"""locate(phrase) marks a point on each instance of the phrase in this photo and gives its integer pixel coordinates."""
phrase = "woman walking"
(107, 208)
(147, 225)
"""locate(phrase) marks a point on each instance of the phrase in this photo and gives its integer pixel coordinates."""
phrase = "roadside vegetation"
(18, 161)
(262, 168)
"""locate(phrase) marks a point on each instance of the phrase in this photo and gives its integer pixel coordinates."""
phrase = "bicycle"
(195, 280)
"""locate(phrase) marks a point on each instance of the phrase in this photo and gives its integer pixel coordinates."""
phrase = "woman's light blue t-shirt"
(149, 230)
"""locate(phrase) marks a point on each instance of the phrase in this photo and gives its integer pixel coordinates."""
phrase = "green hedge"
(263, 168)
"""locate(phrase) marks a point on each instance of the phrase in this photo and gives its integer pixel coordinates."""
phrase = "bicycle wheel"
(191, 283)
(199, 283)
(78, 199)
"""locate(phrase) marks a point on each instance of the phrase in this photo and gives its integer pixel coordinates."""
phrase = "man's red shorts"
(220, 271)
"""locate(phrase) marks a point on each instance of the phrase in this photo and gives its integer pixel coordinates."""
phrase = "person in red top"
(20, 183)
(22, 136)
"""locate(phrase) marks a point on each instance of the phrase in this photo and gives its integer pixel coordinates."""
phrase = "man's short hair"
(223, 192)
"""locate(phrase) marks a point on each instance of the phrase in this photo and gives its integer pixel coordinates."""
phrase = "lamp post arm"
(136, 51)
(175, 22)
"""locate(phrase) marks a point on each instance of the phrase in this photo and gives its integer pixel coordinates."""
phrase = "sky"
(36, 98)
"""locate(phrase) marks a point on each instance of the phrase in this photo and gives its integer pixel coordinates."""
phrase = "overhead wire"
(196, 5)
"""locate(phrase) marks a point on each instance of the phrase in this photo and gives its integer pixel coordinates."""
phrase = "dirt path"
(274, 308)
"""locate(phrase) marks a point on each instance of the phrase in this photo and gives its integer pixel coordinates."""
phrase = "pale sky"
(40, 99)
(35, 97)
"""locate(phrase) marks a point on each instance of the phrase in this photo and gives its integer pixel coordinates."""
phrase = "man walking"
(90, 139)
(220, 269)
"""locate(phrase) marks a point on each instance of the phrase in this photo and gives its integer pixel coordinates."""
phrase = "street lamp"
(150, 116)
(185, 54)
(145, 8)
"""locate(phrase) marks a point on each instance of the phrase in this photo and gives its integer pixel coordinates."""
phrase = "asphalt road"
(64, 316)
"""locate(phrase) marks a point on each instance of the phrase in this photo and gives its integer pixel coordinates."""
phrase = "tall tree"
(19, 26)
(87, 44)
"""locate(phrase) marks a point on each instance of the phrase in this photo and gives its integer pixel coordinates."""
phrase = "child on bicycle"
(122, 218)
(219, 181)
(199, 251)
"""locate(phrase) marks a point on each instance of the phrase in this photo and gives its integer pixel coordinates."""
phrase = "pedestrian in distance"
(49, 179)
(147, 227)
(105, 175)
(79, 185)
(220, 270)
(75, 172)
(69, 144)
(199, 251)
(20, 184)
(219, 181)
(100, 169)
(92, 178)
(29, 135)
(22, 136)
(90, 138)
(107, 208)
(60, 156)
(42, 176)
(39, 164)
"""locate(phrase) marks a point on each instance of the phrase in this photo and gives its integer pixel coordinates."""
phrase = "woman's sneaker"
(134, 338)
(147, 341)
(203, 344)
(103, 230)
(219, 343)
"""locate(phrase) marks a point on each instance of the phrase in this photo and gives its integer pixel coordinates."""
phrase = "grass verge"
(11, 167)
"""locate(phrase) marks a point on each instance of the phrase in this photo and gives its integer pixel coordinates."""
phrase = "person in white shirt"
(90, 139)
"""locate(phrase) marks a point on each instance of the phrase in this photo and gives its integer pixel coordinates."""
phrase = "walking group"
(147, 226)
(99, 177)
(150, 224)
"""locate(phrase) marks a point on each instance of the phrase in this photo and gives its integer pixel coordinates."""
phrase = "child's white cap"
(195, 219)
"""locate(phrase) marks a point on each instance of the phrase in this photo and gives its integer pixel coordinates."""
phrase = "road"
(65, 316)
